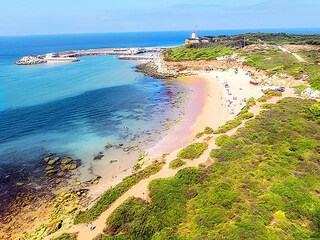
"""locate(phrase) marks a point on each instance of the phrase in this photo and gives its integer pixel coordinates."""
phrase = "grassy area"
(185, 53)
(310, 56)
(114, 193)
(276, 61)
(176, 163)
(193, 151)
(265, 184)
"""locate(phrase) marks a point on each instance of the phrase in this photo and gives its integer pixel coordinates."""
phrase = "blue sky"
(88, 16)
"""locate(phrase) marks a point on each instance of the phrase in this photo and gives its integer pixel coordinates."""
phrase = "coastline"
(208, 110)
(206, 106)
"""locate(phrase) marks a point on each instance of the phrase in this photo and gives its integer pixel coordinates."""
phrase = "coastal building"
(195, 39)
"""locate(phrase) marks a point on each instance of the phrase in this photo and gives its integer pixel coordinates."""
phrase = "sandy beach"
(216, 97)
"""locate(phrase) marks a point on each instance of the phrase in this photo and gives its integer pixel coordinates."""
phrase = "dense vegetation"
(114, 193)
(186, 53)
(242, 40)
(276, 61)
(193, 151)
(263, 185)
(176, 163)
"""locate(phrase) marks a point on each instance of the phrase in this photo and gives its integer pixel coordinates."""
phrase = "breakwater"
(72, 55)
(110, 51)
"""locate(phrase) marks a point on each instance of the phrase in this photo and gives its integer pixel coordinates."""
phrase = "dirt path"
(300, 59)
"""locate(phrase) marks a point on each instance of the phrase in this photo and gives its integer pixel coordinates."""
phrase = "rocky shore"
(28, 192)
(151, 69)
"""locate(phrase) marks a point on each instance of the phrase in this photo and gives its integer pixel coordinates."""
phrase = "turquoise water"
(76, 108)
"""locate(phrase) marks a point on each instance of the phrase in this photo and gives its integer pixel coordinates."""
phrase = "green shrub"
(228, 126)
(193, 151)
(245, 116)
(208, 130)
(277, 69)
(224, 139)
(176, 163)
(315, 109)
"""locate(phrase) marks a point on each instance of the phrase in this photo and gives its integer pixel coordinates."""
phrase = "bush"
(245, 116)
(315, 109)
(193, 151)
(176, 163)
(208, 130)
(224, 140)
(228, 126)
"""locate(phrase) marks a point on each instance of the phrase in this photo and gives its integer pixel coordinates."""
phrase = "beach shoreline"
(207, 105)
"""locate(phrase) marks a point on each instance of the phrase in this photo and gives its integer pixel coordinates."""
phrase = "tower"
(193, 35)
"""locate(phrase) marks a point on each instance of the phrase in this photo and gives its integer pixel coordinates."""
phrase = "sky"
(27, 17)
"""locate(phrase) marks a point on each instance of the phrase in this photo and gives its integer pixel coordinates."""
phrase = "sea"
(75, 109)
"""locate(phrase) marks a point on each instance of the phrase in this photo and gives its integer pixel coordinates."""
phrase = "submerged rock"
(51, 172)
(66, 160)
(53, 161)
(98, 156)
(70, 166)
(108, 146)
(96, 180)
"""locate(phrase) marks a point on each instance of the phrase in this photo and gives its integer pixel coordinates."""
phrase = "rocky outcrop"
(151, 69)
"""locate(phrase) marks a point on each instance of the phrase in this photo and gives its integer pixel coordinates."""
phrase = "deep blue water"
(77, 108)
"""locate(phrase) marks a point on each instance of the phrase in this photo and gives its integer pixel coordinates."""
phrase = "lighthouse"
(193, 35)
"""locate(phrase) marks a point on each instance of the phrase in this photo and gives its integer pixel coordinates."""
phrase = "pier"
(72, 55)
(111, 51)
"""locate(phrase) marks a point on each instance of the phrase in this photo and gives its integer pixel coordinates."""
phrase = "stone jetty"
(71, 56)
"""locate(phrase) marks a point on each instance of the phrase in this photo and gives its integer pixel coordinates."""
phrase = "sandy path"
(300, 59)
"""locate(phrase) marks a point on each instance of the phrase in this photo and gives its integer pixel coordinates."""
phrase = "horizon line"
(186, 30)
